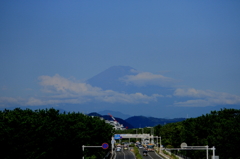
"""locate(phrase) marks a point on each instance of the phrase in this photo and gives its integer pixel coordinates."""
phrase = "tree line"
(46, 133)
(220, 129)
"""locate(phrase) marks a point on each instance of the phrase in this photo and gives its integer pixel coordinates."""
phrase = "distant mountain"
(115, 114)
(110, 78)
(107, 117)
(142, 121)
(94, 114)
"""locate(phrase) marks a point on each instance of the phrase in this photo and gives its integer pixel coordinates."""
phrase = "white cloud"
(147, 78)
(205, 98)
(9, 101)
(62, 90)
(59, 90)
(129, 98)
(62, 85)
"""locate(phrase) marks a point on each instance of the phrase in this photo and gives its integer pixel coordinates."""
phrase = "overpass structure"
(143, 136)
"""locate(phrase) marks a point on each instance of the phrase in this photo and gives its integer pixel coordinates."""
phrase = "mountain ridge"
(115, 114)
(109, 79)
(139, 121)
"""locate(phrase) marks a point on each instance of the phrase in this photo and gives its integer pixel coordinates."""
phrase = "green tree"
(48, 134)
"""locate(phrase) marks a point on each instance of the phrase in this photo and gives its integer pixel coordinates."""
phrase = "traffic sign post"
(112, 142)
(185, 147)
(104, 146)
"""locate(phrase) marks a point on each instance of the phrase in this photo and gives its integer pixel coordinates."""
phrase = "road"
(125, 154)
(151, 155)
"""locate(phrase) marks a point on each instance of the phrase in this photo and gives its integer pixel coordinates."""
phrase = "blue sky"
(196, 43)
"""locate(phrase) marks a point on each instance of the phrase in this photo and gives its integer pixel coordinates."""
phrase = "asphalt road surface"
(151, 155)
(125, 154)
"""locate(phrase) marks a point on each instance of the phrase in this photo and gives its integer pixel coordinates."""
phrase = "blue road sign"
(117, 137)
(105, 145)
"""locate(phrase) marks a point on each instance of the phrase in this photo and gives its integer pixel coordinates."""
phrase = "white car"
(118, 149)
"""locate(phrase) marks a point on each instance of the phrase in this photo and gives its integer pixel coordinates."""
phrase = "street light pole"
(213, 152)
(151, 134)
(160, 145)
(142, 134)
(112, 146)
(207, 151)
(136, 134)
(83, 151)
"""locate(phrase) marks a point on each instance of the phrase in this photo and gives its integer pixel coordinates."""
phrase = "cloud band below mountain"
(202, 98)
(59, 90)
(147, 78)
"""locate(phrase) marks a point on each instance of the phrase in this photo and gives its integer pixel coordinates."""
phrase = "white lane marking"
(158, 155)
(132, 153)
(150, 156)
(123, 154)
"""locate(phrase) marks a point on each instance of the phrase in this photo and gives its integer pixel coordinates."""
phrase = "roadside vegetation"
(46, 133)
(220, 129)
(172, 156)
(136, 152)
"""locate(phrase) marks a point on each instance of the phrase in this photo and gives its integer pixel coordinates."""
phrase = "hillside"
(142, 121)
(107, 117)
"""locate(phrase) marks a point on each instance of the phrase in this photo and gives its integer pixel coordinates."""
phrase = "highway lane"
(151, 155)
(154, 155)
(125, 154)
(119, 155)
(141, 153)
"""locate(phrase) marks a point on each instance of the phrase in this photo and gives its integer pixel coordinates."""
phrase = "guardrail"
(161, 154)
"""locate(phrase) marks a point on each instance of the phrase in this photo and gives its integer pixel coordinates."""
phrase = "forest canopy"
(220, 129)
(47, 133)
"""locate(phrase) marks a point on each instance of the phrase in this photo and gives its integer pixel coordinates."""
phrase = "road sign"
(117, 137)
(105, 145)
(113, 141)
(183, 145)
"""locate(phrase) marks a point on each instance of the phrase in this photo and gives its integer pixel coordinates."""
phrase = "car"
(140, 146)
(145, 153)
(118, 149)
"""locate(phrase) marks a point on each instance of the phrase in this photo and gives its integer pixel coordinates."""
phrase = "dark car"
(145, 153)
